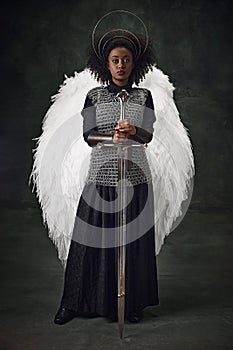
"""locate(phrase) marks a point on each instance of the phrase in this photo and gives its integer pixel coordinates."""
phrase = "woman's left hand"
(124, 125)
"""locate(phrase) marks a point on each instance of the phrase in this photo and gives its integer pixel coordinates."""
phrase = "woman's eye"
(125, 60)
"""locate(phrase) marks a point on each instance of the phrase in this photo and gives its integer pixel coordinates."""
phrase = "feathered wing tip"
(58, 174)
(170, 157)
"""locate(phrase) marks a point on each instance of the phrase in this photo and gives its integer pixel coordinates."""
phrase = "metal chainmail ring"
(119, 33)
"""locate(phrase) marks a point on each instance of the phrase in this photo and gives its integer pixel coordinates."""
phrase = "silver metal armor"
(103, 165)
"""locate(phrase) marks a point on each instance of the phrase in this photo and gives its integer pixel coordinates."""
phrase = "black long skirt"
(90, 282)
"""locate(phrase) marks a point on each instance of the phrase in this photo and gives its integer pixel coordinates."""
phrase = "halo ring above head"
(120, 24)
(119, 34)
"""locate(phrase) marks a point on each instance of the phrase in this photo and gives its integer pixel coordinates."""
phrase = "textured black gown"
(90, 282)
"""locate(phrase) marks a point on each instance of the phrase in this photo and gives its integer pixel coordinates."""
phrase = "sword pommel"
(123, 95)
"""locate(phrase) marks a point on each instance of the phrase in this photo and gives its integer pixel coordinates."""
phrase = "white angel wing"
(61, 160)
(170, 157)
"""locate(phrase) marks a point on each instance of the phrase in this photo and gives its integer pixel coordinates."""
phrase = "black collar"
(112, 87)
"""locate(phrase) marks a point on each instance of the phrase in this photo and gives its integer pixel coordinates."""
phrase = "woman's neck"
(113, 87)
(120, 83)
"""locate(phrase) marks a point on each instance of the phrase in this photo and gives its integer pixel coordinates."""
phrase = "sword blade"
(121, 239)
(121, 289)
(122, 196)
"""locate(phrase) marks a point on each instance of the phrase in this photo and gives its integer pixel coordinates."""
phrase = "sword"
(121, 256)
(122, 150)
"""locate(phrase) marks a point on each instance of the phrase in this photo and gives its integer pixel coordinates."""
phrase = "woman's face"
(120, 65)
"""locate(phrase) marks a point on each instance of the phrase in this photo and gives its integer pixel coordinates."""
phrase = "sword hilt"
(123, 95)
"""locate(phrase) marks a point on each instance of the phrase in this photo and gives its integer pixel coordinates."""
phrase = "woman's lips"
(121, 72)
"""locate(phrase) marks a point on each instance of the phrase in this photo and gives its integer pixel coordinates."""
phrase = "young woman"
(91, 273)
(82, 208)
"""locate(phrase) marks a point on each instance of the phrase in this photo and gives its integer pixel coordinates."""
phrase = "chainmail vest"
(104, 160)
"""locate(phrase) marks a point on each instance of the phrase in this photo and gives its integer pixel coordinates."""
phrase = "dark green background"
(42, 41)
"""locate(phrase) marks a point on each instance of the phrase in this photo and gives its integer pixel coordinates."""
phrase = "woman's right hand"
(121, 131)
(120, 136)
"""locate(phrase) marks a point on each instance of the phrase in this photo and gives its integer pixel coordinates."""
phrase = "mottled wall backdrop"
(43, 40)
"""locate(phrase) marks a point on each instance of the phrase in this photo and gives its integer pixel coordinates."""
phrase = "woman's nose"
(121, 63)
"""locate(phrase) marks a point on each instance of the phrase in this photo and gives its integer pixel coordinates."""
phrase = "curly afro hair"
(142, 65)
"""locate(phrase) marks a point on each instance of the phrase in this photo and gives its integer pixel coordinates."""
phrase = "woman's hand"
(123, 131)
(120, 136)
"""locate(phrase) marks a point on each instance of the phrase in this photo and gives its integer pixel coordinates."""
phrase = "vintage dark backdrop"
(42, 41)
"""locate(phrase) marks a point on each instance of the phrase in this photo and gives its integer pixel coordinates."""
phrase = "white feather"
(170, 156)
(60, 155)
